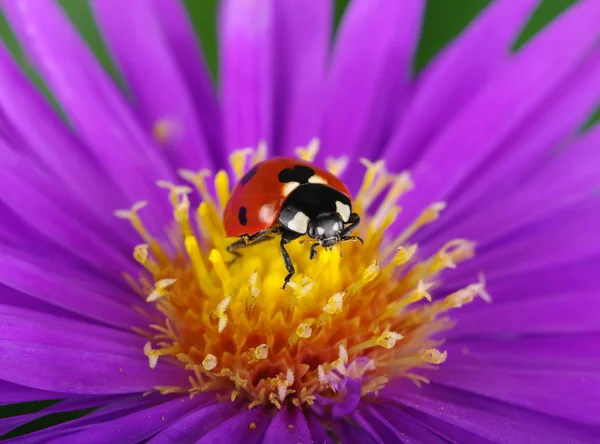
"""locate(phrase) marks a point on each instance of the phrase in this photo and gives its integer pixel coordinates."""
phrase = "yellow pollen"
(337, 165)
(304, 330)
(163, 130)
(209, 362)
(374, 314)
(309, 152)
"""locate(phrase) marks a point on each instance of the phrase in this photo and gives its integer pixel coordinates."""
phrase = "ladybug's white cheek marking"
(289, 187)
(343, 210)
(266, 213)
(317, 179)
(321, 231)
(299, 223)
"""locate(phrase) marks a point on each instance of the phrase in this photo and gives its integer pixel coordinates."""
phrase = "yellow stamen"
(336, 165)
(309, 152)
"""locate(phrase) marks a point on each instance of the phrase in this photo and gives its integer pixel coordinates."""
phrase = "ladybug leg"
(313, 252)
(353, 220)
(246, 241)
(352, 239)
(286, 238)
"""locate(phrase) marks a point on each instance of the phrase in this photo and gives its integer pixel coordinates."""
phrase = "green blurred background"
(444, 19)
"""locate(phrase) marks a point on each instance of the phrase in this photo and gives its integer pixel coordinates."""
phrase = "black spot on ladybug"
(299, 173)
(249, 175)
(242, 216)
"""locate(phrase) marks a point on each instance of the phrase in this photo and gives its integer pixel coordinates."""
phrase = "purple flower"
(177, 344)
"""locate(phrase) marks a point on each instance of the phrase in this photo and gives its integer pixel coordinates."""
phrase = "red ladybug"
(289, 197)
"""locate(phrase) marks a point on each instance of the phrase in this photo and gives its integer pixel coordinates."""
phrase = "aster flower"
(473, 180)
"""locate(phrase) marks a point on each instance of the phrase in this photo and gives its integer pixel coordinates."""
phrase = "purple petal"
(504, 106)
(524, 161)
(123, 406)
(393, 425)
(318, 433)
(14, 298)
(197, 423)
(14, 393)
(370, 72)
(288, 427)
(368, 429)
(40, 328)
(137, 426)
(450, 432)
(119, 407)
(577, 351)
(546, 391)
(179, 35)
(68, 405)
(238, 429)
(491, 419)
(16, 234)
(575, 277)
(568, 237)
(58, 217)
(302, 34)
(566, 313)
(456, 76)
(51, 143)
(567, 179)
(135, 38)
(54, 285)
(82, 370)
(351, 434)
(246, 56)
(92, 102)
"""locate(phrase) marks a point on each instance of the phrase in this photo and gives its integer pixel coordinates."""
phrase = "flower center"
(367, 315)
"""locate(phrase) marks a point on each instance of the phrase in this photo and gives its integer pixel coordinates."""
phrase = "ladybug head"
(326, 228)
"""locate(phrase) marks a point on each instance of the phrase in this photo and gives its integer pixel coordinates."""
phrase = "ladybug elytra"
(290, 198)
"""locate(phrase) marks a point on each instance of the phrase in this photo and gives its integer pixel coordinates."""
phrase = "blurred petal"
(456, 77)
(159, 95)
(571, 176)
(179, 35)
(303, 31)
(52, 144)
(504, 106)
(96, 109)
(521, 160)
(536, 248)
(246, 57)
(50, 212)
(370, 71)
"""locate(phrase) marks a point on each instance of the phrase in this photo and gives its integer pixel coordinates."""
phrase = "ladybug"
(291, 198)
